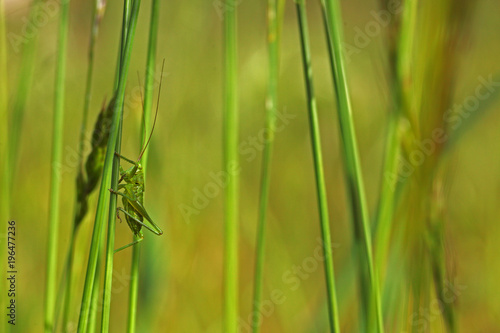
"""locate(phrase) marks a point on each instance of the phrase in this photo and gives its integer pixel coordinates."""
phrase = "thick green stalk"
(333, 314)
(104, 194)
(133, 294)
(271, 108)
(92, 323)
(110, 246)
(127, 4)
(386, 204)
(67, 280)
(391, 187)
(94, 301)
(55, 181)
(231, 164)
(385, 207)
(146, 121)
(352, 168)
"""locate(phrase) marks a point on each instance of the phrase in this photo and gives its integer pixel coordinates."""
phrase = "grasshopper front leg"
(126, 159)
(124, 195)
(134, 170)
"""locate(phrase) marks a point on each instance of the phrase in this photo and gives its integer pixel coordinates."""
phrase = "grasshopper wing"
(148, 222)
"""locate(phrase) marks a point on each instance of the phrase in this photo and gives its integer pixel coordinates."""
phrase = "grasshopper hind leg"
(138, 240)
(139, 222)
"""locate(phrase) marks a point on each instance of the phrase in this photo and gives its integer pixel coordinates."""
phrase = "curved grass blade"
(354, 175)
(274, 16)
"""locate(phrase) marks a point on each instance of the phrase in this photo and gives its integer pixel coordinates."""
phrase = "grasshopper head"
(133, 174)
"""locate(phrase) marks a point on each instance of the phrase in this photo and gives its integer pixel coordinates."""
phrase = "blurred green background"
(181, 279)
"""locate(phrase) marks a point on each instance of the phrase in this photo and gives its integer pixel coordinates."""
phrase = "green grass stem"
(104, 194)
(23, 88)
(94, 301)
(110, 244)
(134, 287)
(131, 22)
(354, 175)
(386, 203)
(55, 177)
(385, 207)
(97, 14)
(231, 163)
(146, 121)
(273, 16)
(333, 312)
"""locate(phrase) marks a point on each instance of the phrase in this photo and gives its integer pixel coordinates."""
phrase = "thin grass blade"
(333, 315)
(230, 148)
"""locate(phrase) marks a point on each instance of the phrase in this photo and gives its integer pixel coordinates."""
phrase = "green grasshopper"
(133, 201)
(131, 183)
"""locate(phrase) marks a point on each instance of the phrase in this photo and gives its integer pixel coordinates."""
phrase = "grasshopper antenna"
(143, 123)
(156, 113)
